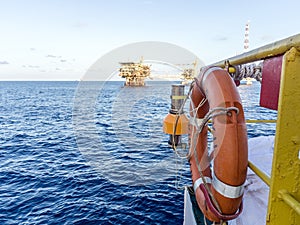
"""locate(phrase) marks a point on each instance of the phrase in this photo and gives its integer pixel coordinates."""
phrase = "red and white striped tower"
(246, 40)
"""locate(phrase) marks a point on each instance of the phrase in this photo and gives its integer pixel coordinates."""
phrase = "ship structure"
(270, 189)
(134, 73)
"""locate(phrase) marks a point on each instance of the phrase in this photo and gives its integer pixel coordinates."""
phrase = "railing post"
(286, 163)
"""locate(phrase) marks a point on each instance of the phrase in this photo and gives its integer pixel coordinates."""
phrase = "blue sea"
(94, 153)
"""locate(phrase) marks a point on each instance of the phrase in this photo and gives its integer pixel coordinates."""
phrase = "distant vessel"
(134, 73)
(247, 81)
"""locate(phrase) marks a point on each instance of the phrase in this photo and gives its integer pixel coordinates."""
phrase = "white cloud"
(220, 38)
(33, 66)
(80, 25)
(52, 56)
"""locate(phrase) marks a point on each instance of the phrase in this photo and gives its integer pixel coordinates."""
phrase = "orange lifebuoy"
(219, 191)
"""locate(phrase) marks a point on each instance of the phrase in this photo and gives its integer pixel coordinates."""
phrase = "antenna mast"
(246, 40)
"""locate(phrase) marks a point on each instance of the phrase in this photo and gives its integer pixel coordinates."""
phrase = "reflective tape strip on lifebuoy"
(230, 148)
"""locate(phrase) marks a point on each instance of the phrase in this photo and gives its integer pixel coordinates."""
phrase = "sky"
(61, 39)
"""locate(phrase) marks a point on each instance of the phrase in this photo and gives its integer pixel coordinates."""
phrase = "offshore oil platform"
(188, 74)
(134, 73)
